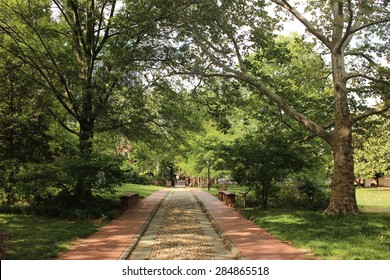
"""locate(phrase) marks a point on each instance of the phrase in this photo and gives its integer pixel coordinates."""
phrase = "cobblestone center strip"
(180, 230)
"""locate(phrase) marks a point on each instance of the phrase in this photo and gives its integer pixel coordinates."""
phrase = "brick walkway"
(112, 241)
(252, 242)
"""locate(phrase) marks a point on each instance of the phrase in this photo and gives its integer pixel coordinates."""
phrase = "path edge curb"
(126, 253)
(236, 253)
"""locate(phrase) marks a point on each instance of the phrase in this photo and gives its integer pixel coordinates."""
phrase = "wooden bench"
(227, 197)
(128, 200)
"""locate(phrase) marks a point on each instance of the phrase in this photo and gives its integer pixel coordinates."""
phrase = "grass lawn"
(366, 236)
(38, 238)
(143, 190)
(374, 200)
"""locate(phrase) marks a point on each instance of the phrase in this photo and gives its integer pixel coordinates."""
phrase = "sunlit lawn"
(365, 236)
(143, 190)
(36, 238)
(41, 238)
(374, 200)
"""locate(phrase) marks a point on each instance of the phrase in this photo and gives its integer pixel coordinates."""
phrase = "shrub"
(54, 184)
(304, 194)
(130, 174)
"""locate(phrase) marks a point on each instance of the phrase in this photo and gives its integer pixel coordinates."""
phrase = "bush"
(100, 172)
(36, 182)
(101, 208)
(8, 173)
(157, 181)
(54, 184)
(130, 174)
(304, 194)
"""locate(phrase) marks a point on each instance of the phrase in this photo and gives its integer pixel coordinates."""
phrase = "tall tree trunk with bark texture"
(343, 198)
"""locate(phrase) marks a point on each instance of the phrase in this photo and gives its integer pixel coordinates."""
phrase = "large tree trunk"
(86, 137)
(83, 190)
(343, 199)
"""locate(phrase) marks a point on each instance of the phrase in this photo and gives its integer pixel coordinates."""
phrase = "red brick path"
(110, 242)
(252, 242)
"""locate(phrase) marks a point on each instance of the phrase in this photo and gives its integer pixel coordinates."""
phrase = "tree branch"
(345, 40)
(61, 122)
(360, 75)
(32, 62)
(367, 57)
(107, 30)
(313, 135)
(280, 102)
(356, 29)
(286, 5)
(239, 57)
(379, 109)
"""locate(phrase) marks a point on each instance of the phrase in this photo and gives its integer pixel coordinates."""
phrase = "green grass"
(236, 189)
(365, 236)
(374, 200)
(36, 238)
(39, 238)
(143, 190)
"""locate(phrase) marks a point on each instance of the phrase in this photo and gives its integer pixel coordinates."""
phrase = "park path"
(184, 219)
(180, 230)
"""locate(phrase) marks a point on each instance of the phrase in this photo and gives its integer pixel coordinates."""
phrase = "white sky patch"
(291, 25)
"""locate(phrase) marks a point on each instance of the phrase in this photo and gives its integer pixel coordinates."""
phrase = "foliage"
(202, 146)
(263, 158)
(105, 70)
(295, 62)
(218, 37)
(100, 172)
(41, 238)
(307, 194)
(24, 127)
(96, 62)
(96, 69)
(372, 152)
(54, 184)
(130, 174)
(253, 124)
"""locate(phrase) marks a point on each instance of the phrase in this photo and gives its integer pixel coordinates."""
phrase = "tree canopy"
(220, 35)
(84, 77)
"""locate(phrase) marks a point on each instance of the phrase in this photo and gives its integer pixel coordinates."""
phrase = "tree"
(262, 158)
(24, 126)
(371, 144)
(201, 151)
(70, 54)
(94, 58)
(221, 34)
